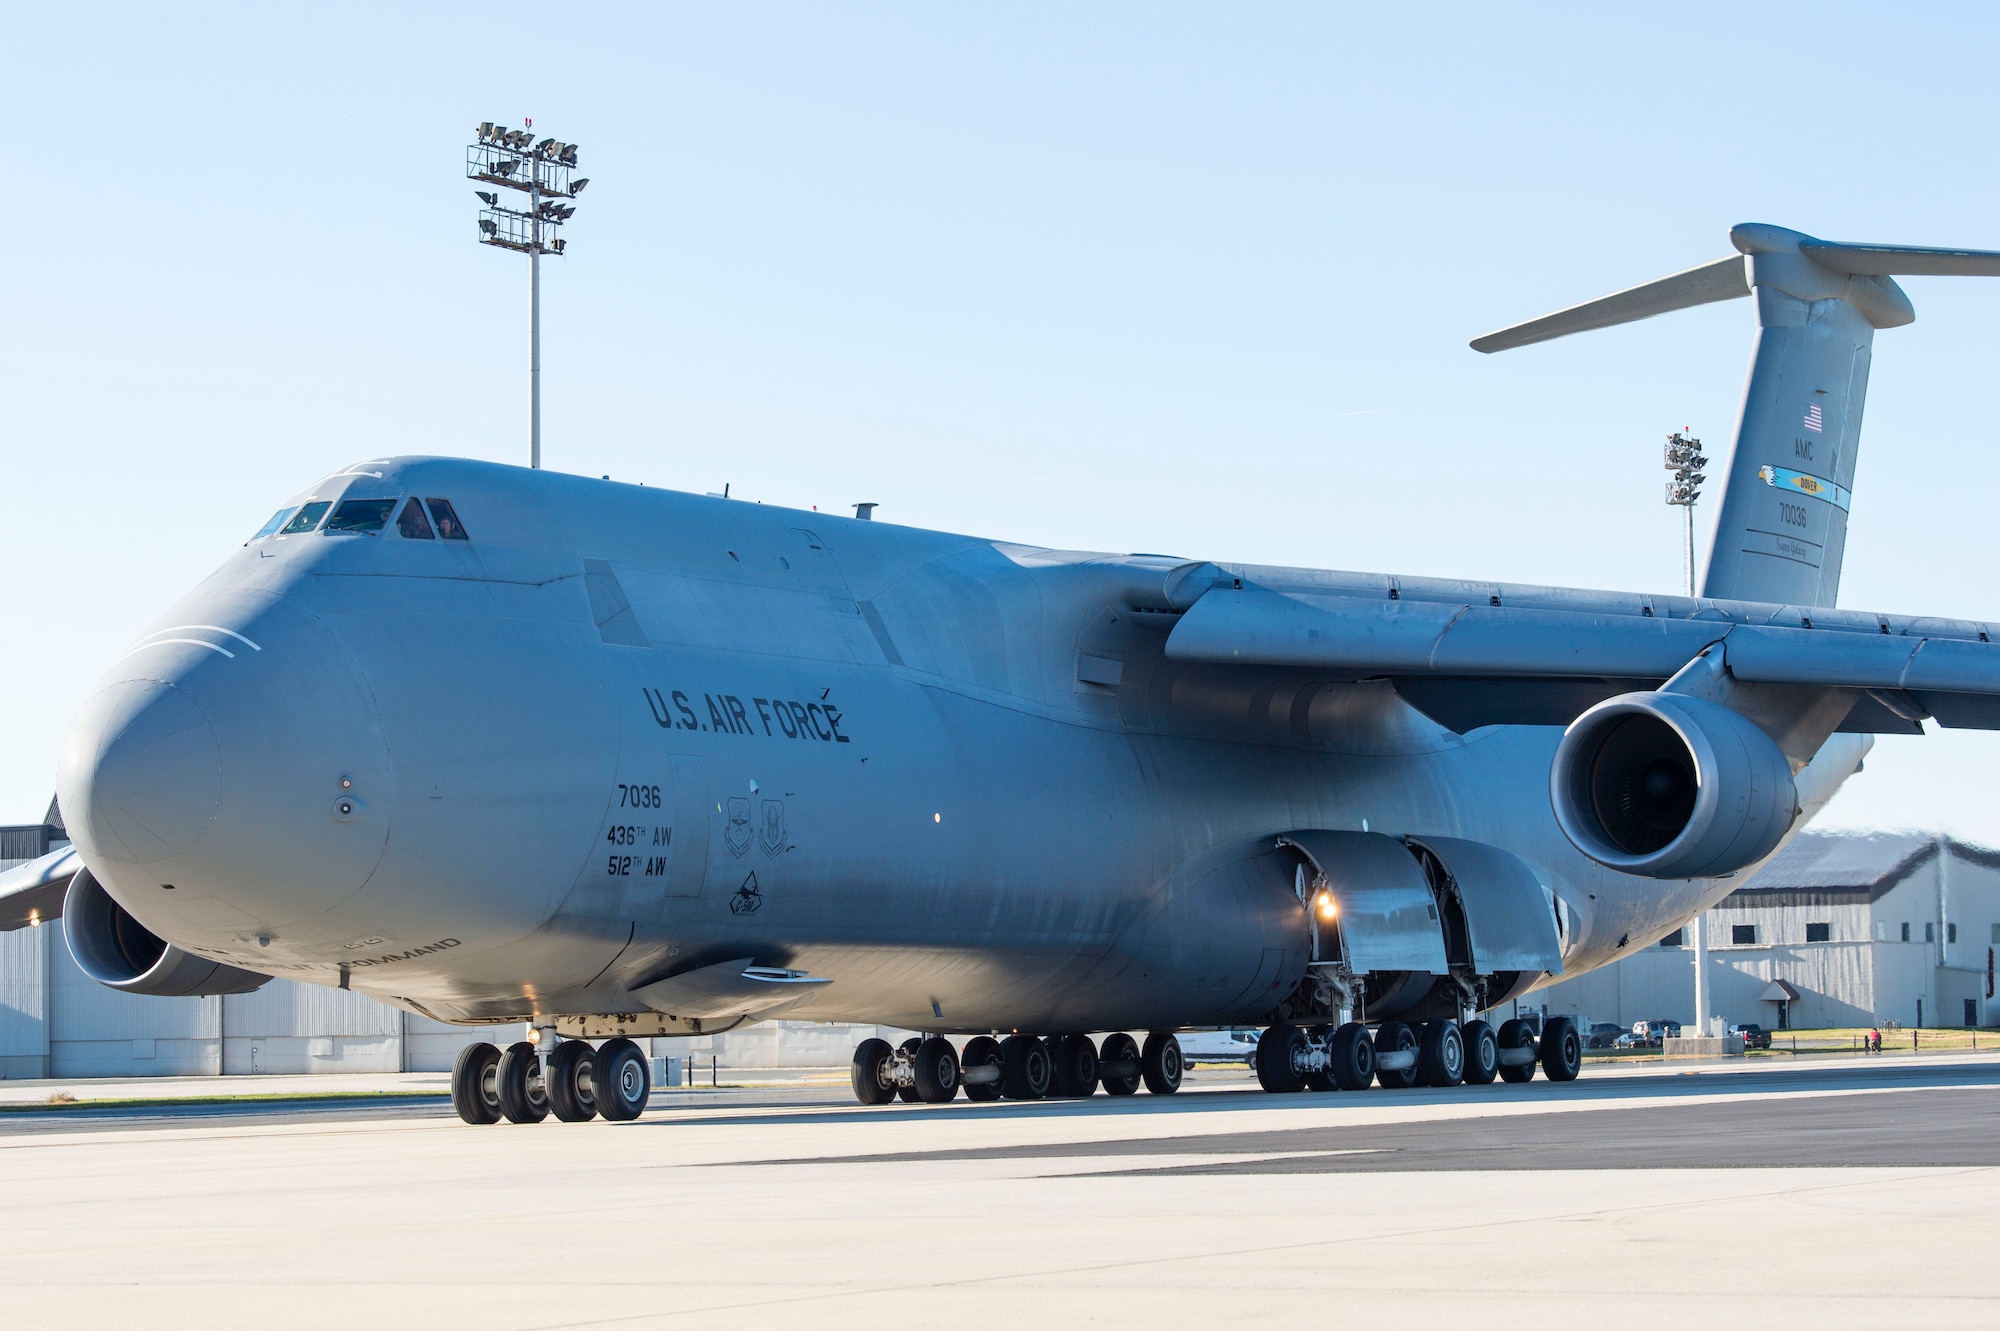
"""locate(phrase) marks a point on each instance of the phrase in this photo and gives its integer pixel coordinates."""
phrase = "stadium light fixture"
(1685, 460)
(501, 156)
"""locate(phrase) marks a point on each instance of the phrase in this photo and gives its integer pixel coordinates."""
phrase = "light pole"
(512, 159)
(1685, 461)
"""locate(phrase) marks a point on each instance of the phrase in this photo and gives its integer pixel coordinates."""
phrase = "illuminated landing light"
(937, 817)
(1329, 909)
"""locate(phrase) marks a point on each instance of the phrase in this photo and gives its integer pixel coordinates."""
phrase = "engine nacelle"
(1671, 787)
(114, 949)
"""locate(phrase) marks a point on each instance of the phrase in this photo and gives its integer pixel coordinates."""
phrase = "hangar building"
(1837, 930)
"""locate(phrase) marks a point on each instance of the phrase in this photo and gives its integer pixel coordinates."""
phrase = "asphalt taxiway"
(1859, 1193)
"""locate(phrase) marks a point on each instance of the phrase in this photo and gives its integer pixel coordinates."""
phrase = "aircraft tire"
(908, 1049)
(1320, 1035)
(981, 1051)
(936, 1064)
(475, 1092)
(1120, 1048)
(1394, 1037)
(1027, 1068)
(1161, 1066)
(1278, 1051)
(568, 1082)
(619, 1081)
(1482, 1053)
(1561, 1049)
(1073, 1074)
(871, 1059)
(522, 1099)
(1352, 1053)
(1440, 1054)
(1513, 1035)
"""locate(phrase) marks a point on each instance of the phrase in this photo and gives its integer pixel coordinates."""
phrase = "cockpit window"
(361, 515)
(277, 521)
(447, 521)
(307, 519)
(413, 524)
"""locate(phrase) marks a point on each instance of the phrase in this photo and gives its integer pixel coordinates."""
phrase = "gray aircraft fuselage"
(622, 733)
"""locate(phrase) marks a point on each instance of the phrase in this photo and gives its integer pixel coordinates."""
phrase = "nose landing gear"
(523, 1097)
(571, 1098)
(574, 1082)
(475, 1083)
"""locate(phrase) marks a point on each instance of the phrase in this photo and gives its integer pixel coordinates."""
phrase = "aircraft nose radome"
(142, 771)
(254, 778)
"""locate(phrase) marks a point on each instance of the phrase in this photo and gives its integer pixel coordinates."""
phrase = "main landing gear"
(1397, 1055)
(574, 1082)
(1020, 1067)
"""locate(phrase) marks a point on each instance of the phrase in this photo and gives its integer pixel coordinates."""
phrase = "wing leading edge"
(32, 893)
(1467, 664)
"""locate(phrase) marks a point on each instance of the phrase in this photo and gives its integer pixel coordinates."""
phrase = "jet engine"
(114, 949)
(1671, 786)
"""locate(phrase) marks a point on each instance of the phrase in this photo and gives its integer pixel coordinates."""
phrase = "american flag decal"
(1813, 418)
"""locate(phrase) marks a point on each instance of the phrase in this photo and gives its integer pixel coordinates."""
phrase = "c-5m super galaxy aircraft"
(498, 745)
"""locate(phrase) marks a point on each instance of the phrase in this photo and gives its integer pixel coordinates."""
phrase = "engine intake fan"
(1671, 786)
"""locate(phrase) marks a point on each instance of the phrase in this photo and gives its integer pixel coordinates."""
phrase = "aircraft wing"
(1467, 664)
(32, 893)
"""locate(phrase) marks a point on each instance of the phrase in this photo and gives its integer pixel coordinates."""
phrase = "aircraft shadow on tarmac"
(1690, 1084)
(1837, 1117)
(1903, 1115)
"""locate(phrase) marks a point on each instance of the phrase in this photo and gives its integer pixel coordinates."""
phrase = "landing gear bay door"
(1387, 915)
(1510, 920)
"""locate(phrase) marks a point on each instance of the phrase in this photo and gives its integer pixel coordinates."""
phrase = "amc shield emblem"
(736, 835)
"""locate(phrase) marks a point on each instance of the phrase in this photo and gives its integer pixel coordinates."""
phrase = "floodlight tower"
(511, 159)
(1685, 461)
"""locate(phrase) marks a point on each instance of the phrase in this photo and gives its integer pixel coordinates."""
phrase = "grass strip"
(295, 1097)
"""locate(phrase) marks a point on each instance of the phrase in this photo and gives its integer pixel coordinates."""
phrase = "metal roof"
(1843, 868)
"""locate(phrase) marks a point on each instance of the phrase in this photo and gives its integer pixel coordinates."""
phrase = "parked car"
(1230, 1046)
(1631, 1040)
(1754, 1036)
(1656, 1030)
(1602, 1035)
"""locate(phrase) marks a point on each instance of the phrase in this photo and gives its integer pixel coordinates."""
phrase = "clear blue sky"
(1190, 279)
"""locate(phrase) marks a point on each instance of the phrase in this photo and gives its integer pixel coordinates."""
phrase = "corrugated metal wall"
(1863, 975)
(56, 1022)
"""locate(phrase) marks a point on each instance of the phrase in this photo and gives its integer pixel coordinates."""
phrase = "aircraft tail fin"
(1783, 524)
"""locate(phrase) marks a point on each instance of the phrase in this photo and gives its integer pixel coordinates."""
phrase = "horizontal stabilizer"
(1724, 279)
(32, 893)
(1901, 260)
